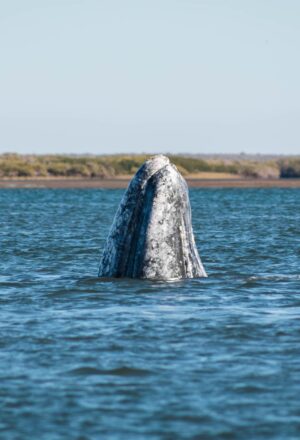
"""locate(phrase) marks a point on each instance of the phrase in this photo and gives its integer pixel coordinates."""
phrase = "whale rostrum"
(151, 236)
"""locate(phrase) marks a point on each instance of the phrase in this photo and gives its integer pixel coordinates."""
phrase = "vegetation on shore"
(88, 166)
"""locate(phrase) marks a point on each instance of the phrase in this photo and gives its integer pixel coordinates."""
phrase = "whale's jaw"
(151, 236)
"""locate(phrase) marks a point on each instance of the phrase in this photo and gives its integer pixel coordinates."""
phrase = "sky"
(179, 76)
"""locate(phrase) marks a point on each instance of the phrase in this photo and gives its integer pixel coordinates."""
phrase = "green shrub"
(290, 168)
(57, 169)
(78, 170)
(13, 167)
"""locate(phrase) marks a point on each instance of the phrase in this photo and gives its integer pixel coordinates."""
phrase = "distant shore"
(114, 183)
(104, 171)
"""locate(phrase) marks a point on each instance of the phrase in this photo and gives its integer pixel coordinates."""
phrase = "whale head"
(151, 236)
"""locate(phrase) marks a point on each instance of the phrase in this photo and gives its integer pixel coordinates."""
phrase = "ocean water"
(215, 358)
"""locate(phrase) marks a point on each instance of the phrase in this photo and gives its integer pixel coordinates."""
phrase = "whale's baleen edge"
(151, 236)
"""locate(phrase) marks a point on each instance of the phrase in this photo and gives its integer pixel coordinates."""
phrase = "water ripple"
(85, 358)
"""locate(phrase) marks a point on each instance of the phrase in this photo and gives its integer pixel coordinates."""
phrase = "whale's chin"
(151, 236)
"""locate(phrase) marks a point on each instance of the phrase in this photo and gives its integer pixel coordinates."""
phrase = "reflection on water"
(83, 358)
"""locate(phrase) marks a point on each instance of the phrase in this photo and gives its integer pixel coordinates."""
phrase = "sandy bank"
(123, 182)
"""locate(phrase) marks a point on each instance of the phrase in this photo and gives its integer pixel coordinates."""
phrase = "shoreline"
(122, 183)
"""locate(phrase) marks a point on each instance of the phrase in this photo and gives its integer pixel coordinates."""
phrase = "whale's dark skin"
(151, 236)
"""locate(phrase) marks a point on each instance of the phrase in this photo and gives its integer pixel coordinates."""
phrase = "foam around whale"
(151, 236)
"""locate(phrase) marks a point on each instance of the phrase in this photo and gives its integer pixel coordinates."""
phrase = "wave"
(274, 277)
(121, 371)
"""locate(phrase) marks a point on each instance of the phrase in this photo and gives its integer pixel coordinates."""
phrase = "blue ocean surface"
(215, 358)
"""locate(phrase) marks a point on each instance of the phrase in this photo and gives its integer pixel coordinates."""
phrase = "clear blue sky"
(108, 76)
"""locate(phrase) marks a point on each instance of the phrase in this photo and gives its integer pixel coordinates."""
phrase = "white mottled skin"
(151, 235)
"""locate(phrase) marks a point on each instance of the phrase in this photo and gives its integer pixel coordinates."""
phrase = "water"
(215, 358)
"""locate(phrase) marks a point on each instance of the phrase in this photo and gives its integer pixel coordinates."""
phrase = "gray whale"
(151, 236)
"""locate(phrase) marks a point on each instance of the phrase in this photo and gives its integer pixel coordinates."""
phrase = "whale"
(151, 236)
